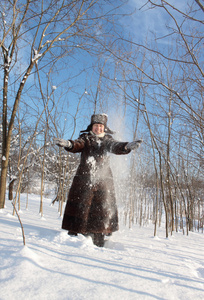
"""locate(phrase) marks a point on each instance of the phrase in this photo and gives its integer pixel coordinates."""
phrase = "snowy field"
(132, 265)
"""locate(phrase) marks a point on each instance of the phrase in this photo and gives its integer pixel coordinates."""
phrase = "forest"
(141, 63)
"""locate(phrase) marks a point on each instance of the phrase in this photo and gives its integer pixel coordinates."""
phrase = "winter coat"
(91, 205)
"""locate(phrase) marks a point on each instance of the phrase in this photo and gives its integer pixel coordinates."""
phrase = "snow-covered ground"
(132, 265)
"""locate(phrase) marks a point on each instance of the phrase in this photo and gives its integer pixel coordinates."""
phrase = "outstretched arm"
(117, 147)
(133, 145)
(63, 143)
(69, 145)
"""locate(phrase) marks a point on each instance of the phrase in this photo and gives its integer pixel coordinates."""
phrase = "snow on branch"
(37, 55)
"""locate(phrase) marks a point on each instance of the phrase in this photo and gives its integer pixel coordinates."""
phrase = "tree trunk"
(7, 136)
(11, 184)
(3, 180)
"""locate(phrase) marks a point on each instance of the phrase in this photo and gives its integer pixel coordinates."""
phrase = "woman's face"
(98, 128)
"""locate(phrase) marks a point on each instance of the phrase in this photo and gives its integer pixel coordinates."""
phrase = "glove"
(133, 145)
(63, 143)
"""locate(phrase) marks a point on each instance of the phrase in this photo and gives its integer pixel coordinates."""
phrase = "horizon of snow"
(132, 265)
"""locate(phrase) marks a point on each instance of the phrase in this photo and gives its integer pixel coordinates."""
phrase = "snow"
(36, 55)
(132, 265)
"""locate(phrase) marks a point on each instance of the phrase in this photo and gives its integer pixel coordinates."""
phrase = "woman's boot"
(98, 239)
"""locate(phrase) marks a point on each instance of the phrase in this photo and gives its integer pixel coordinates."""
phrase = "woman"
(91, 207)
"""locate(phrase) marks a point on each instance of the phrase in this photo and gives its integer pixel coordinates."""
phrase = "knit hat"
(99, 119)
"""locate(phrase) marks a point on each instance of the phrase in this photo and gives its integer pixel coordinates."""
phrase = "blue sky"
(143, 25)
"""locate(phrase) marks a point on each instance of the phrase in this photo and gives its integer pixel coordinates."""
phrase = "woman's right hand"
(62, 143)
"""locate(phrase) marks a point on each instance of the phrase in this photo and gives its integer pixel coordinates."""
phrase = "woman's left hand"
(133, 145)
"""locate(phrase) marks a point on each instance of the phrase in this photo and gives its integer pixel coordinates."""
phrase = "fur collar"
(98, 135)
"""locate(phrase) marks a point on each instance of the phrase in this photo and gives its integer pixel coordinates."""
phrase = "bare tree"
(171, 78)
(34, 32)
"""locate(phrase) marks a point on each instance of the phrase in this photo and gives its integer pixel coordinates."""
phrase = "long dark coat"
(91, 205)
